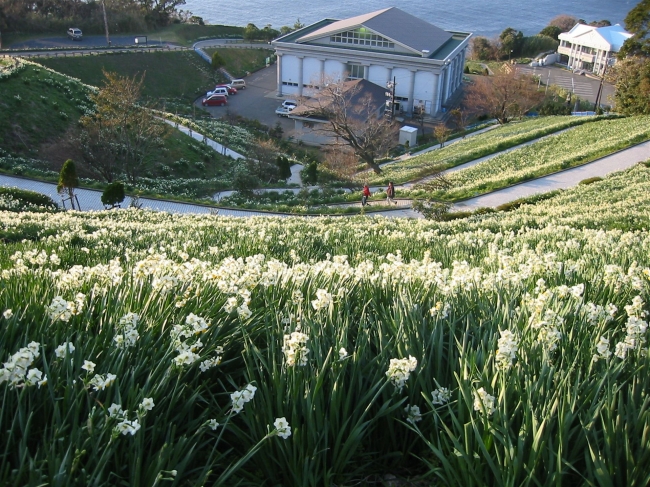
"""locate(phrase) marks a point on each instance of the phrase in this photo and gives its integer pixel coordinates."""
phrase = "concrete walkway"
(90, 199)
(571, 177)
(221, 149)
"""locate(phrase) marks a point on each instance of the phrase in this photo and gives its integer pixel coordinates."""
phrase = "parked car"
(239, 84)
(284, 111)
(289, 103)
(218, 91)
(75, 34)
(216, 100)
(231, 90)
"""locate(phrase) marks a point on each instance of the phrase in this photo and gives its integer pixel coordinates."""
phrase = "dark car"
(215, 101)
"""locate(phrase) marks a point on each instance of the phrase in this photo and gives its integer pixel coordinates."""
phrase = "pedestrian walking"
(365, 195)
(390, 193)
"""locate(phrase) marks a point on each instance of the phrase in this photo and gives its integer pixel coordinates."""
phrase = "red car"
(231, 90)
(215, 101)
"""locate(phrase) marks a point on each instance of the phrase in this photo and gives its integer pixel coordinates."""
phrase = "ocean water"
(482, 17)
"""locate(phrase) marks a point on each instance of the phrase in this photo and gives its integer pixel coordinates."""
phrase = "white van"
(219, 90)
(240, 84)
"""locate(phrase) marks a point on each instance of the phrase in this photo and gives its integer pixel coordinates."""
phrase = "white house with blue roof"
(425, 62)
(591, 48)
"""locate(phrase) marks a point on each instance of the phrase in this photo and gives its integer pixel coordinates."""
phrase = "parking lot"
(585, 87)
(258, 101)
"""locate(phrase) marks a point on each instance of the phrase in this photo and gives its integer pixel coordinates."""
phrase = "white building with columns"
(425, 62)
(591, 48)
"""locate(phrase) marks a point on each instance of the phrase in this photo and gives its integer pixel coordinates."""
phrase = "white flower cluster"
(101, 382)
(282, 427)
(125, 426)
(547, 325)
(8, 314)
(128, 326)
(440, 310)
(295, 349)
(323, 300)
(64, 348)
(232, 304)
(212, 362)
(635, 328)
(508, 345)
(596, 313)
(413, 414)
(63, 310)
(16, 371)
(484, 402)
(185, 341)
(602, 350)
(239, 398)
(440, 396)
(399, 370)
(213, 424)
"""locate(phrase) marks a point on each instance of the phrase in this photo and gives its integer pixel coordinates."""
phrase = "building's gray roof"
(355, 91)
(394, 24)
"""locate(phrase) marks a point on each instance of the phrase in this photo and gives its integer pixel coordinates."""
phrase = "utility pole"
(390, 98)
(600, 87)
(108, 41)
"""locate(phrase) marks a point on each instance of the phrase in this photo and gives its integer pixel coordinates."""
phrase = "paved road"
(565, 179)
(87, 42)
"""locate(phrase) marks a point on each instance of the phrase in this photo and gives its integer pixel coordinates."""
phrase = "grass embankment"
(41, 110)
(562, 151)
(239, 61)
(470, 353)
(170, 77)
(471, 148)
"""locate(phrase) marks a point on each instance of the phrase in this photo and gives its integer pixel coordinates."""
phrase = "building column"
(412, 90)
(454, 82)
(300, 75)
(447, 81)
(322, 73)
(279, 64)
(437, 98)
(435, 87)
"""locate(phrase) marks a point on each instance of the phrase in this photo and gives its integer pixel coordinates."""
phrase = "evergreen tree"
(68, 181)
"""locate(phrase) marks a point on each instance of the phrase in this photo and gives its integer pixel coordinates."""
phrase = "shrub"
(14, 199)
(113, 195)
(587, 181)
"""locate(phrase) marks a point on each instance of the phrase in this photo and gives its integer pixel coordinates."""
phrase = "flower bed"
(143, 347)
(472, 148)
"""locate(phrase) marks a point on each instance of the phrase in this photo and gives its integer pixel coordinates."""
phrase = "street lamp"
(509, 54)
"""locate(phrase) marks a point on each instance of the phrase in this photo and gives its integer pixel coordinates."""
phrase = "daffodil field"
(144, 349)
(471, 148)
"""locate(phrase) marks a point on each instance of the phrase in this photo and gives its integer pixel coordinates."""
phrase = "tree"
(552, 31)
(262, 163)
(482, 49)
(637, 22)
(284, 167)
(121, 137)
(68, 181)
(564, 22)
(340, 160)
(217, 60)
(113, 194)
(511, 41)
(355, 117)
(441, 132)
(503, 96)
(631, 77)
(251, 32)
(460, 116)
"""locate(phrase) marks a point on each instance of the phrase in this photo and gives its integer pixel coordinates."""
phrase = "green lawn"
(239, 61)
(36, 107)
(176, 76)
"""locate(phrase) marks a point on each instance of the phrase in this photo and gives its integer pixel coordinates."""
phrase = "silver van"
(75, 34)
(240, 84)
(219, 90)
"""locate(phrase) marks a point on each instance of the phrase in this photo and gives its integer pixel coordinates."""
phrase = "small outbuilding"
(408, 134)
